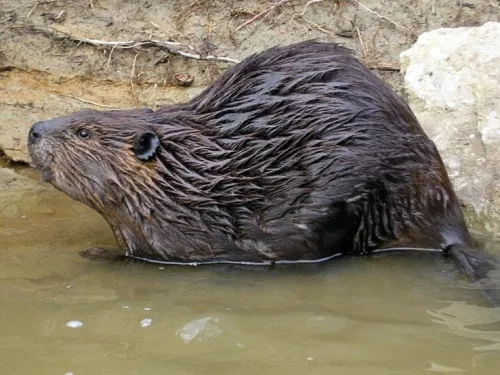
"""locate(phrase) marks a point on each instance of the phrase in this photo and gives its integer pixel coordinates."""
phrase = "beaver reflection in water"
(297, 153)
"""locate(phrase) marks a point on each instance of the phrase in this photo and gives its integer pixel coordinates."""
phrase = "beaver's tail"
(477, 266)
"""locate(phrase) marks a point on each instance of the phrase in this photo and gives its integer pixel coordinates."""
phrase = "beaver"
(298, 153)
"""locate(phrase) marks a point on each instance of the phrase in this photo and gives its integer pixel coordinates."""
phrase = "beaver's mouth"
(44, 166)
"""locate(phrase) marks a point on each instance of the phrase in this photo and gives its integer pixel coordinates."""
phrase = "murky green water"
(62, 314)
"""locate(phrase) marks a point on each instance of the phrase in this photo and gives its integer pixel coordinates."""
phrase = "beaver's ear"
(145, 145)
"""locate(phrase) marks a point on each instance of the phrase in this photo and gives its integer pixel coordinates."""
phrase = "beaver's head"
(145, 172)
(96, 157)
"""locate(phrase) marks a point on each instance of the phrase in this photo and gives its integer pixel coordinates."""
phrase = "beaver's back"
(313, 154)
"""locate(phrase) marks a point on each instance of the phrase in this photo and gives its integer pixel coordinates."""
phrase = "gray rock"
(452, 79)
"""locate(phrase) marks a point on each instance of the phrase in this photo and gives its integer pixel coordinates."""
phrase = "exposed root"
(31, 11)
(109, 57)
(388, 66)
(385, 66)
(32, 4)
(170, 35)
(300, 17)
(263, 13)
(385, 18)
(321, 28)
(171, 47)
(363, 48)
(308, 3)
(132, 74)
(91, 102)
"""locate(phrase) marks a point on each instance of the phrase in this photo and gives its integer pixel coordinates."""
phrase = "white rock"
(74, 324)
(146, 322)
(199, 329)
(452, 78)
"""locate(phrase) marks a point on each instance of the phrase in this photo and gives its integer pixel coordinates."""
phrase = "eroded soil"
(58, 56)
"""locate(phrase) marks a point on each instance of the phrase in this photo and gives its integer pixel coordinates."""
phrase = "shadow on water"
(62, 313)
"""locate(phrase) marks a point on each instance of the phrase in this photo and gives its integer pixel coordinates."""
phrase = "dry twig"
(388, 66)
(171, 35)
(384, 17)
(90, 102)
(109, 57)
(29, 3)
(171, 47)
(308, 3)
(59, 15)
(31, 11)
(265, 12)
(363, 48)
(299, 17)
(132, 73)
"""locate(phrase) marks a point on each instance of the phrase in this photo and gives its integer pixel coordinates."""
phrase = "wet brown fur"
(298, 152)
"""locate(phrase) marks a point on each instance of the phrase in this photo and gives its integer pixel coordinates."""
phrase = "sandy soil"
(58, 56)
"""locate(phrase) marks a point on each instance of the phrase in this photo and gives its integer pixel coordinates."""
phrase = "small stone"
(146, 322)
(184, 79)
(74, 324)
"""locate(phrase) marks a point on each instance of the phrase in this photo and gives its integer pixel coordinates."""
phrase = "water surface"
(63, 314)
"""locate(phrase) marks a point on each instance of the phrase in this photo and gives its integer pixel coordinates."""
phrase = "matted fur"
(298, 152)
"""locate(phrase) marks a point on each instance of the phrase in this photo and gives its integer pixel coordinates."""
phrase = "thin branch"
(171, 47)
(315, 25)
(132, 73)
(162, 29)
(109, 57)
(29, 3)
(32, 10)
(363, 48)
(265, 12)
(388, 66)
(91, 102)
(384, 17)
(307, 4)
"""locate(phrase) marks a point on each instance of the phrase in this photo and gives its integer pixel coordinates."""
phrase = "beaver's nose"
(37, 130)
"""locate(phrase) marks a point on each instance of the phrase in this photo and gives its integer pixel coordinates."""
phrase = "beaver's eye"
(83, 134)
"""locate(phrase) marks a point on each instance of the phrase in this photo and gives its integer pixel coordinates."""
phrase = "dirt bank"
(58, 56)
